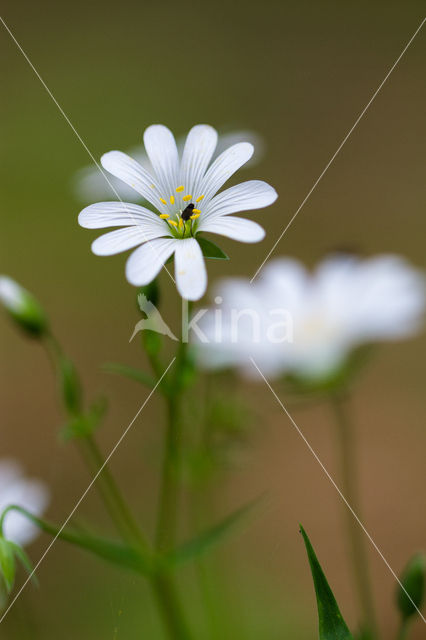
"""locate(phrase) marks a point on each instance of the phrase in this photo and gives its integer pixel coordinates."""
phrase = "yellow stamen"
(172, 199)
(199, 199)
(164, 216)
(172, 222)
(180, 189)
(187, 198)
(196, 211)
(180, 223)
(163, 201)
(195, 216)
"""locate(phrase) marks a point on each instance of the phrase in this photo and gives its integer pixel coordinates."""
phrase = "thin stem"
(117, 507)
(355, 535)
(403, 630)
(168, 601)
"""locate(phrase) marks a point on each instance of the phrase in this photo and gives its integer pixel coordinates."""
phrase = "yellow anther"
(172, 222)
(172, 199)
(163, 201)
(164, 216)
(187, 198)
(180, 223)
(196, 211)
(195, 216)
(180, 189)
(199, 199)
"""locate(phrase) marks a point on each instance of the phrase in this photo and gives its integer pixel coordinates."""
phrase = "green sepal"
(413, 580)
(210, 537)
(210, 249)
(331, 623)
(130, 372)
(85, 425)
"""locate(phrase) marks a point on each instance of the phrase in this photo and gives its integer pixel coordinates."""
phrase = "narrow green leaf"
(331, 623)
(130, 372)
(25, 561)
(112, 551)
(211, 537)
(7, 564)
(210, 249)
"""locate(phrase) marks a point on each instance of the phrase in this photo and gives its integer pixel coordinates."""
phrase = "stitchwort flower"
(184, 193)
(307, 325)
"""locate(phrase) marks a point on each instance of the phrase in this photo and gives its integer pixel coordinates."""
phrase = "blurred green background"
(298, 74)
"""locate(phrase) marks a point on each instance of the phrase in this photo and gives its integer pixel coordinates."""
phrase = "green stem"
(168, 601)
(116, 505)
(403, 630)
(355, 534)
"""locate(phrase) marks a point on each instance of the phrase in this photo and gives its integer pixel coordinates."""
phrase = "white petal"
(127, 238)
(146, 261)
(161, 148)
(29, 494)
(129, 171)
(235, 228)
(115, 214)
(254, 194)
(190, 270)
(224, 167)
(199, 148)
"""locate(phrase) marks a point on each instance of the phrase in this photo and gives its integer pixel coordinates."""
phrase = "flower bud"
(23, 307)
(413, 581)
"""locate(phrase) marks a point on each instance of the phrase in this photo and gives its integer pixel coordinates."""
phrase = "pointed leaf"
(210, 249)
(211, 537)
(130, 372)
(331, 623)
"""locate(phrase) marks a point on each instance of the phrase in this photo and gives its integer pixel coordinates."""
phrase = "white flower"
(32, 495)
(183, 191)
(291, 321)
(90, 183)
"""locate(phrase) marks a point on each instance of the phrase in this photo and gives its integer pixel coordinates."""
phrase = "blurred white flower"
(293, 322)
(30, 494)
(184, 193)
(90, 184)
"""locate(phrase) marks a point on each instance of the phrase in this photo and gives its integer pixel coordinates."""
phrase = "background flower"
(346, 302)
(30, 494)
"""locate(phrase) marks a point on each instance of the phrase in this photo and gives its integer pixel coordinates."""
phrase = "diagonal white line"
(299, 431)
(341, 145)
(68, 121)
(80, 500)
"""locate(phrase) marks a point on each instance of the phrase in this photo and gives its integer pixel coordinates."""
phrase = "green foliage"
(70, 384)
(152, 292)
(331, 623)
(210, 249)
(413, 581)
(210, 537)
(130, 372)
(85, 424)
(7, 563)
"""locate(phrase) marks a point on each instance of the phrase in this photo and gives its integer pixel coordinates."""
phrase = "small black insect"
(187, 212)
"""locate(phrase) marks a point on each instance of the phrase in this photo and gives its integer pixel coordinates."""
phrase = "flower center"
(181, 221)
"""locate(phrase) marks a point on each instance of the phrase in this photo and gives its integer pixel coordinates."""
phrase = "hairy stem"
(348, 463)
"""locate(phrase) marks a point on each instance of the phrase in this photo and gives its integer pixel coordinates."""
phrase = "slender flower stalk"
(403, 630)
(349, 466)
